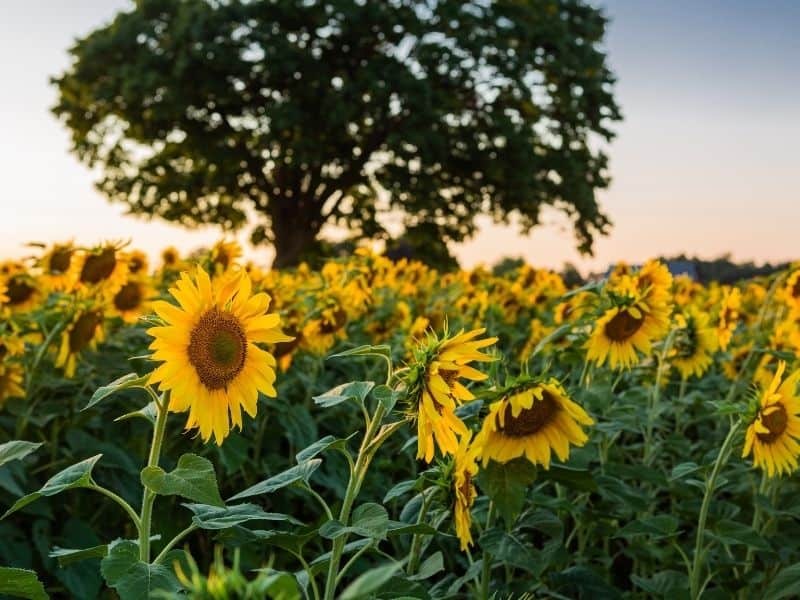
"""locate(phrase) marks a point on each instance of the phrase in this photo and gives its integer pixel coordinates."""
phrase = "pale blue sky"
(705, 161)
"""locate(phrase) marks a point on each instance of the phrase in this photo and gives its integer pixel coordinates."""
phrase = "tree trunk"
(295, 226)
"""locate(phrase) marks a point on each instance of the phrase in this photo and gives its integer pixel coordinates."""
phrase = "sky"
(705, 161)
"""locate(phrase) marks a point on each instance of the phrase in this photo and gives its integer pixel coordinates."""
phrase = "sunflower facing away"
(533, 421)
(207, 347)
(773, 435)
(464, 471)
(436, 391)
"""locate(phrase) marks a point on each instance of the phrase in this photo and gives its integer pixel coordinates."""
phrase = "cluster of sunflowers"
(224, 331)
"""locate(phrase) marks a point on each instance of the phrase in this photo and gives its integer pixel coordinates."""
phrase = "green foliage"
(21, 584)
(132, 578)
(334, 111)
(193, 479)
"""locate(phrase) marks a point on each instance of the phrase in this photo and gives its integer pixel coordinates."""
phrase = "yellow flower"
(695, 342)
(170, 257)
(84, 332)
(102, 269)
(137, 263)
(132, 300)
(728, 316)
(465, 470)
(533, 422)
(791, 290)
(22, 292)
(773, 434)
(11, 378)
(622, 331)
(224, 255)
(436, 390)
(55, 265)
(210, 361)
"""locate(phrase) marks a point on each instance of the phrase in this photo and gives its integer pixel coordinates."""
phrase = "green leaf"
(216, 517)
(149, 413)
(659, 526)
(301, 472)
(67, 556)
(396, 528)
(682, 470)
(506, 484)
(193, 479)
(126, 382)
(664, 584)
(78, 475)
(355, 390)
(369, 520)
(329, 442)
(400, 489)
(732, 533)
(576, 479)
(386, 396)
(132, 578)
(21, 583)
(16, 450)
(785, 584)
(430, 567)
(380, 350)
(369, 582)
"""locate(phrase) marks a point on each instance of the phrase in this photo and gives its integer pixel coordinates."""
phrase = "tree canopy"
(286, 115)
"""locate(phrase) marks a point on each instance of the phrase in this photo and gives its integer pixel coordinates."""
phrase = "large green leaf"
(21, 583)
(78, 475)
(369, 582)
(193, 479)
(506, 485)
(126, 382)
(216, 517)
(354, 390)
(301, 472)
(15, 450)
(329, 442)
(134, 579)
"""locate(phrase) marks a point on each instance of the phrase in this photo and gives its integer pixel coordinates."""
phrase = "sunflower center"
(59, 260)
(622, 326)
(3, 350)
(135, 264)
(18, 291)
(796, 288)
(466, 488)
(776, 422)
(532, 419)
(335, 322)
(449, 376)
(217, 348)
(686, 342)
(128, 297)
(83, 330)
(169, 258)
(98, 267)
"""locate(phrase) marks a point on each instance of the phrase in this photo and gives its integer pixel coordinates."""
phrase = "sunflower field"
(203, 428)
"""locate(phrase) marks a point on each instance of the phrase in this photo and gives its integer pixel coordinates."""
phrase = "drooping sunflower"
(773, 435)
(210, 361)
(84, 332)
(728, 316)
(55, 265)
(132, 300)
(533, 420)
(22, 292)
(435, 390)
(102, 269)
(465, 468)
(11, 382)
(695, 342)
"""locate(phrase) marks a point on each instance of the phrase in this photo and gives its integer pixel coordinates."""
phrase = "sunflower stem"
(697, 560)
(655, 397)
(365, 454)
(416, 542)
(486, 567)
(148, 497)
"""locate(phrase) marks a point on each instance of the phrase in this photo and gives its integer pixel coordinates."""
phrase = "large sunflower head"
(12, 376)
(101, 269)
(694, 344)
(773, 433)
(83, 333)
(435, 389)
(532, 420)
(465, 468)
(55, 265)
(211, 364)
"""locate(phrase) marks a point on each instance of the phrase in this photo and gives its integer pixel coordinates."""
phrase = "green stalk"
(655, 397)
(697, 561)
(148, 498)
(416, 542)
(487, 558)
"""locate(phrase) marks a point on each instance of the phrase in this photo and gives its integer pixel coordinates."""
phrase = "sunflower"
(695, 342)
(465, 468)
(11, 378)
(224, 255)
(55, 265)
(132, 300)
(102, 268)
(137, 262)
(773, 434)
(170, 257)
(654, 282)
(435, 390)
(84, 332)
(22, 292)
(533, 421)
(791, 290)
(728, 316)
(207, 347)
(734, 365)
(10, 345)
(621, 331)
